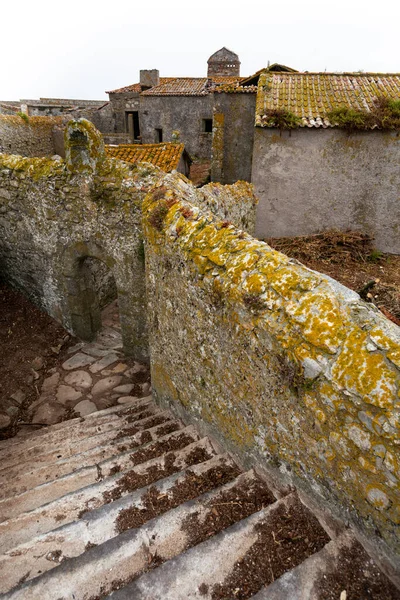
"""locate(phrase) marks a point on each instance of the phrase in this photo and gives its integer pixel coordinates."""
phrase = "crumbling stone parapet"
(84, 147)
(288, 367)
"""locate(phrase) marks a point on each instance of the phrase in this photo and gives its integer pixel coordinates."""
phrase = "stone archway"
(82, 303)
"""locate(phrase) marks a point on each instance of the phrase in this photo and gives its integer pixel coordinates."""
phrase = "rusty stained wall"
(285, 365)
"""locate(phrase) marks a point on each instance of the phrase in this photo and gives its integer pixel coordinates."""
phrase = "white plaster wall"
(311, 180)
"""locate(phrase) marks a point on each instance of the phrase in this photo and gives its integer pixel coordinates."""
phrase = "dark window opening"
(207, 125)
(132, 124)
(159, 135)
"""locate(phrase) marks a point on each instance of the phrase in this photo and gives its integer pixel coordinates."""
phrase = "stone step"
(9, 446)
(235, 562)
(109, 445)
(70, 507)
(341, 569)
(95, 436)
(70, 438)
(47, 472)
(100, 569)
(51, 490)
(168, 497)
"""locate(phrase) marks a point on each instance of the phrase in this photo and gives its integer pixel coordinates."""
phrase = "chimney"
(149, 78)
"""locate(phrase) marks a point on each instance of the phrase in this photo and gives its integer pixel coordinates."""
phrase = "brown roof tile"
(188, 86)
(166, 156)
(136, 87)
(311, 96)
(236, 88)
(179, 86)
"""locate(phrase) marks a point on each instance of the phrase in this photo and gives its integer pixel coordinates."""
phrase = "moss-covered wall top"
(28, 136)
(284, 363)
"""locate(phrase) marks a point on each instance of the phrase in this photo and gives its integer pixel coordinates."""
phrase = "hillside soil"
(351, 259)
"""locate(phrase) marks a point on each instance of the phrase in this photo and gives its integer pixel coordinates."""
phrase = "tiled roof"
(236, 88)
(136, 87)
(253, 79)
(188, 86)
(179, 86)
(311, 96)
(165, 156)
(223, 79)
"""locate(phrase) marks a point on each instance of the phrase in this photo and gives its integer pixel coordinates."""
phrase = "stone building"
(321, 149)
(224, 62)
(233, 133)
(153, 109)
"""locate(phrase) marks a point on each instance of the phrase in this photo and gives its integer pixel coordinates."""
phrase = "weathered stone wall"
(289, 367)
(115, 139)
(311, 180)
(70, 231)
(32, 136)
(102, 117)
(233, 136)
(178, 113)
(102, 281)
(54, 215)
(121, 102)
(53, 107)
(234, 204)
(9, 107)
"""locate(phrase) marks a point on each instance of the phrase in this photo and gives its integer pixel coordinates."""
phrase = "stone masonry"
(55, 215)
(287, 366)
(28, 136)
(71, 231)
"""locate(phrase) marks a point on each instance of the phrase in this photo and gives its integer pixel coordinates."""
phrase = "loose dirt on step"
(161, 447)
(155, 503)
(351, 259)
(132, 480)
(358, 576)
(28, 337)
(287, 537)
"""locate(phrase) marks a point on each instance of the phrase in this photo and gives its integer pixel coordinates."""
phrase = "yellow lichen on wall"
(285, 363)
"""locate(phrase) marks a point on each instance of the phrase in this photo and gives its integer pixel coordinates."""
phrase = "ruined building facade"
(158, 108)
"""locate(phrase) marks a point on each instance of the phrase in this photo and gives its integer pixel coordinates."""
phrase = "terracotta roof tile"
(236, 88)
(188, 86)
(311, 96)
(136, 87)
(179, 86)
(165, 156)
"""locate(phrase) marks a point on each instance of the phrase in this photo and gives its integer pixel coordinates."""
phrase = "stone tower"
(224, 62)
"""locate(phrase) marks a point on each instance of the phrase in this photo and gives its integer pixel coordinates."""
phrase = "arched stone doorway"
(90, 277)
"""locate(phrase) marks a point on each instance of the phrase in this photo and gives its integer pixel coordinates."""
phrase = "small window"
(159, 135)
(207, 125)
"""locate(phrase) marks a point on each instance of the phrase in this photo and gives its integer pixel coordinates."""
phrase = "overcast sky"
(81, 48)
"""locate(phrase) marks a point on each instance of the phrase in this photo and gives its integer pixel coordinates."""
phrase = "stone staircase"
(128, 502)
